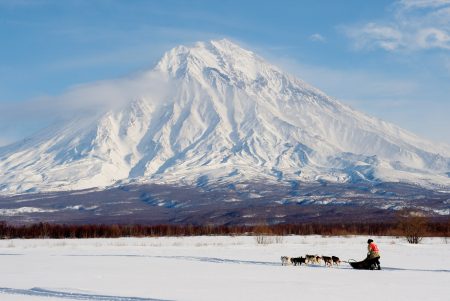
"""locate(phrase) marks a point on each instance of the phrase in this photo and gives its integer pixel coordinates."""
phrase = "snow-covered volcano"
(220, 113)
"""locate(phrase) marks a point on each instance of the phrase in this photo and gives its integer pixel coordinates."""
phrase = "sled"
(366, 264)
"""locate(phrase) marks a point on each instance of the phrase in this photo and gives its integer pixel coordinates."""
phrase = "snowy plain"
(219, 268)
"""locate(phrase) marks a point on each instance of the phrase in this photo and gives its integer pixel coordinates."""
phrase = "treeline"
(45, 230)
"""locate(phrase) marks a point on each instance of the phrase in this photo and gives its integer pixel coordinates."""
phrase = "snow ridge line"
(36, 291)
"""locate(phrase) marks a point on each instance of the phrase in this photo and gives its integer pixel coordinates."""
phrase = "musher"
(373, 255)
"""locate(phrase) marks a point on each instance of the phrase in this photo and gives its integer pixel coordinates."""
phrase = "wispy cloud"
(412, 25)
(373, 35)
(5, 141)
(22, 118)
(423, 3)
(317, 37)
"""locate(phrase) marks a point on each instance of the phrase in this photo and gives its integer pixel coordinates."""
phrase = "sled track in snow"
(251, 262)
(413, 270)
(40, 292)
(218, 260)
(193, 258)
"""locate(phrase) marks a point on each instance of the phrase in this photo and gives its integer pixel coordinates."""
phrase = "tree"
(263, 234)
(412, 225)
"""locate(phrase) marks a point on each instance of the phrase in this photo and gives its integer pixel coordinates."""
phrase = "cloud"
(433, 38)
(413, 25)
(423, 3)
(373, 36)
(317, 38)
(19, 119)
(5, 141)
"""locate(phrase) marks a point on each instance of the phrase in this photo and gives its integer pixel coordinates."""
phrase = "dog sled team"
(371, 262)
(310, 259)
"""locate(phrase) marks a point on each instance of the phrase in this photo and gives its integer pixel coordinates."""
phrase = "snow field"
(218, 268)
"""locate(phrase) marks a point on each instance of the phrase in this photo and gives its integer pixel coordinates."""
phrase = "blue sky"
(390, 59)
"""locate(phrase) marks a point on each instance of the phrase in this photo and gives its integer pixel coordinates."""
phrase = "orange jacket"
(373, 250)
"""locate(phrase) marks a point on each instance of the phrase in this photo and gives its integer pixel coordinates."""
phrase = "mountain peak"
(228, 47)
(222, 47)
(222, 55)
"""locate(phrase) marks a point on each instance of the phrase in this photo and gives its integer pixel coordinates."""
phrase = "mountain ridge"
(220, 113)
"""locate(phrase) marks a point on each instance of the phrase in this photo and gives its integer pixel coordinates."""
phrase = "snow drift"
(217, 113)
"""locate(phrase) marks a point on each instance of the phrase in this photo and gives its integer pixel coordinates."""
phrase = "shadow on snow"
(66, 295)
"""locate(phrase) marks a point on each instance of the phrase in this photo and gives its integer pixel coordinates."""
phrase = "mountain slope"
(220, 114)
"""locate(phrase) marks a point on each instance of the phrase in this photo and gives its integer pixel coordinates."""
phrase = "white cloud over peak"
(5, 141)
(20, 119)
(317, 37)
(373, 35)
(412, 25)
(423, 3)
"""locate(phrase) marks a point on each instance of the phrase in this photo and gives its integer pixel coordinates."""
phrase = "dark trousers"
(373, 262)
